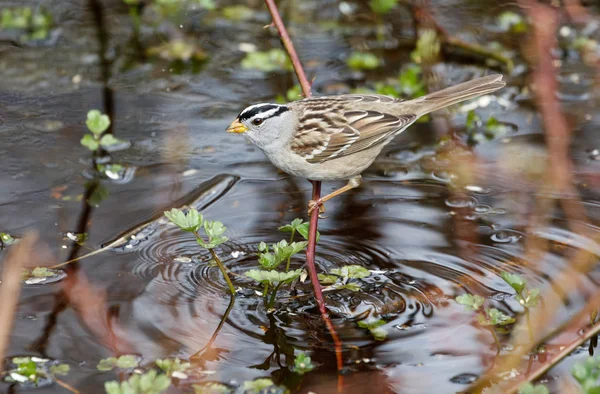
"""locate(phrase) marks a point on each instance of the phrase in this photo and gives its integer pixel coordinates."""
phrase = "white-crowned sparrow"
(338, 137)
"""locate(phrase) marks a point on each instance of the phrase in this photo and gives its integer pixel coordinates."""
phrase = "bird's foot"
(312, 205)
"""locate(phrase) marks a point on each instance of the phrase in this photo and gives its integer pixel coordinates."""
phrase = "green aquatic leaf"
(238, 12)
(513, 22)
(363, 61)
(60, 369)
(514, 281)
(293, 226)
(470, 301)
(532, 297)
(170, 365)
(109, 140)
(530, 388)
(272, 60)
(351, 272)
(90, 142)
(326, 279)
(257, 386)
(411, 81)
(382, 6)
(126, 361)
(97, 122)
(428, 47)
(374, 327)
(303, 364)
(187, 222)
(42, 272)
(148, 383)
(7, 239)
(273, 277)
(211, 388)
(494, 317)
(303, 229)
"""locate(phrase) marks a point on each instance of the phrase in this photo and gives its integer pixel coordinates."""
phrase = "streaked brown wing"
(363, 130)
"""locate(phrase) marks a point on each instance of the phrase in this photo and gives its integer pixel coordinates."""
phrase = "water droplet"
(182, 259)
(506, 236)
(461, 201)
(464, 378)
(594, 154)
(482, 209)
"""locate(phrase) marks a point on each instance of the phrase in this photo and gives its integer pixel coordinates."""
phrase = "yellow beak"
(237, 127)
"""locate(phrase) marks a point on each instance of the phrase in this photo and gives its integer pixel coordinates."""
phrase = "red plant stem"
(316, 192)
(289, 47)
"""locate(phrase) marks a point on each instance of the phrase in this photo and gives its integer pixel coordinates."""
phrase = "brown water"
(427, 241)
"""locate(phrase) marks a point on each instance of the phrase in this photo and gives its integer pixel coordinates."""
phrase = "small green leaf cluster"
(173, 366)
(238, 12)
(294, 93)
(587, 375)
(303, 364)
(479, 132)
(273, 277)
(339, 277)
(6, 239)
(270, 258)
(258, 386)
(282, 251)
(211, 388)
(193, 221)
(529, 298)
(97, 123)
(409, 84)
(171, 8)
(38, 274)
(33, 24)
(178, 49)
(267, 61)
(374, 327)
(530, 388)
(512, 22)
(150, 382)
(490, 317)
(361, 61)
(31, 369)
(298, 226)
(428, 47)
(126, 361)
(382, 6)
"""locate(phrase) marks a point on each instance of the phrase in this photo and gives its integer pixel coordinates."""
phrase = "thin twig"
(223, 271)
(11, 287)
(316, 191)
(289, 47)
(66, 386)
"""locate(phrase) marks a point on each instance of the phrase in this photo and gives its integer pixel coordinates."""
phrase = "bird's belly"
(342, 168)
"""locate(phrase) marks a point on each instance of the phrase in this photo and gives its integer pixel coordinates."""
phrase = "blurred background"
(507, 183)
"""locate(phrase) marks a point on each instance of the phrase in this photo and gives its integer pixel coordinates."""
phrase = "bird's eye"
(257, 121)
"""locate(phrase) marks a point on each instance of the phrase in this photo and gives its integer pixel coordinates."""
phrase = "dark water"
(427, 239)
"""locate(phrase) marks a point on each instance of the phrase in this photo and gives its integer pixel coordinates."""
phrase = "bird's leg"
(353, 183)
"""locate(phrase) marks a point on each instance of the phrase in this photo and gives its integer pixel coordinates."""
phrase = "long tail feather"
(457, 93)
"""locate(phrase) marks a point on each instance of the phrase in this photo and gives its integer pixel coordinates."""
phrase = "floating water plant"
(34, 369)
(530, 388)
(126, 361)
(150, 382)
(302, 364)
(587, 375)
(267, 61)
(360, 61)
(32, 24)
(194, 222)
(374, 327)
(491, 318)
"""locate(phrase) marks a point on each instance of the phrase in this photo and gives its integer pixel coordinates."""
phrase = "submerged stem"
(223, 271)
